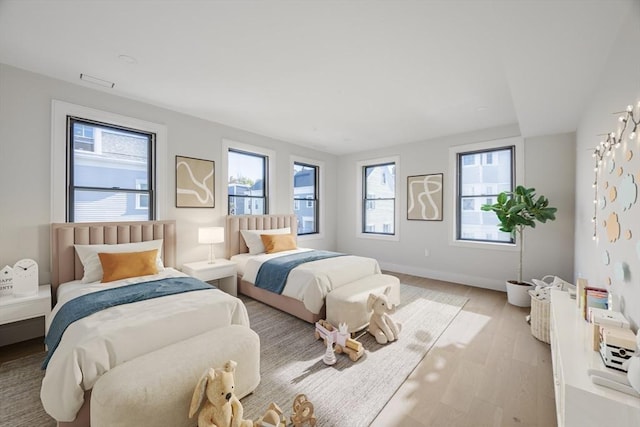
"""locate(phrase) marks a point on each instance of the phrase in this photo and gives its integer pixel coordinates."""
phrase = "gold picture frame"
(195, 183)
(424, 197)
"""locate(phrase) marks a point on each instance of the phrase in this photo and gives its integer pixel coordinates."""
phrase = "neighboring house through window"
(480, 182)
(106, 166)
(378, 189)
(248, 184)
(305, 189)
(111, 172)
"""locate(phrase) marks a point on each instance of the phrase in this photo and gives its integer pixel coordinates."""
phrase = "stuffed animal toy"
(221, 408)
(381, 325)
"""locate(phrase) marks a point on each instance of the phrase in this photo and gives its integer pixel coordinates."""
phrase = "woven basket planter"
(540, 311)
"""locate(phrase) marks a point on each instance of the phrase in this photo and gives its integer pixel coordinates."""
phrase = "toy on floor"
(302, 412)
(341, 337)
(381, 325)
(221, 407)
(329, 355)
(273, 417)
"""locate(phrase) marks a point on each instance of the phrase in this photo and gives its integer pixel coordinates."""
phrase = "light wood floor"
(486, 369)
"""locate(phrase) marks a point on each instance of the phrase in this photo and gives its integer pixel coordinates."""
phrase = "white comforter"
(94, 345)
(312, 281)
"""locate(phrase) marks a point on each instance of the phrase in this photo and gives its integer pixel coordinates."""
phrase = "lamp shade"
(210, 235)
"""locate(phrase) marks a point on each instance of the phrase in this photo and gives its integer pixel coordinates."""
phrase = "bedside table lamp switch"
(210, 236)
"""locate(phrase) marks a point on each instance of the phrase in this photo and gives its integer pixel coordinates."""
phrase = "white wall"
(25, 170)
(549, 167)
(618, 87)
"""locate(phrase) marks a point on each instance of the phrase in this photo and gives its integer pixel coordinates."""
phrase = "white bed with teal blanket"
(307, 285)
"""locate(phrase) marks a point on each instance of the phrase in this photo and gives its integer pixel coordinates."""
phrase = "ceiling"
(337, 76)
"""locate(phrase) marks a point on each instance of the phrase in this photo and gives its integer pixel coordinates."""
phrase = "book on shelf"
(593, 297)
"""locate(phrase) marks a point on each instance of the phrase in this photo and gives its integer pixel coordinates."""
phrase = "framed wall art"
(424, 197)
(195, 182)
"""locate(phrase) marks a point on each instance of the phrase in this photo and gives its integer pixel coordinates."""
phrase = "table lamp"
(210, 236)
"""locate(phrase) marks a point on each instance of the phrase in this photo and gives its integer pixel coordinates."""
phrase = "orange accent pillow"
(116, 266)
(278, 242)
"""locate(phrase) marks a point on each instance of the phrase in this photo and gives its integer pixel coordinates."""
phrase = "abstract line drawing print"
(424, 197)
(194, 183)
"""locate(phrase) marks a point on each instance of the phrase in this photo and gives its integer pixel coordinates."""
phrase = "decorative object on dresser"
(194, 183)
(25, 278)
(6, 281)
(579, 374)
(517, 210)
(210, 236)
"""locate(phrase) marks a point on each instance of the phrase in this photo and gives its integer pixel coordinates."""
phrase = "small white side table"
(222, 270)
(14, 309)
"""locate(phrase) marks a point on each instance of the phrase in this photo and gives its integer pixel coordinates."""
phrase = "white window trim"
(396, 226)
(59, 112)
(321, 199)
(271, 159)
(518, 143)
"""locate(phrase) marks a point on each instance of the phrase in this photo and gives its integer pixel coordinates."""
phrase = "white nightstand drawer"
(16, 309)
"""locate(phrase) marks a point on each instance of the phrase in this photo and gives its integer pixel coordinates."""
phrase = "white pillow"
(254, 242)
(88, 255)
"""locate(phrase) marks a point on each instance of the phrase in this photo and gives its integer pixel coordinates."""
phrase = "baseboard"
(479, 282)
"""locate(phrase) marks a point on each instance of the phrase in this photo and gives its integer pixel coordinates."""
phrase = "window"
(296, 205)
(142, 200)
(83, 137)
(247, 183)
(379, 198)
(112, 180)
(305, 188)
(495, 175)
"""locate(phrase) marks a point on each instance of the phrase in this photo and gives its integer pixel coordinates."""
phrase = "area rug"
(345, 394)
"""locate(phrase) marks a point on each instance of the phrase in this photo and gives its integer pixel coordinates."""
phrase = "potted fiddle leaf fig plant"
(516, 211)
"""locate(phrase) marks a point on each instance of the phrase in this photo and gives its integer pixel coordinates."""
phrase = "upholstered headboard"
(234, 242)
(65, 264)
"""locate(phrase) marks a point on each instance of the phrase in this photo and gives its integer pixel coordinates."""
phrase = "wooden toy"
(302, 412)
(341, 337)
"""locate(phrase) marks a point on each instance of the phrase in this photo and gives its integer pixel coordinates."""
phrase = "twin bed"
(95, 344)
(307, 285)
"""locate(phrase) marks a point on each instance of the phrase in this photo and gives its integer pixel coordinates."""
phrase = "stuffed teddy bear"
(381, 325)
(221, 408)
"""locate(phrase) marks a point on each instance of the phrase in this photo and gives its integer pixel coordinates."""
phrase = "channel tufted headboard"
(65, 264)
(234, 243)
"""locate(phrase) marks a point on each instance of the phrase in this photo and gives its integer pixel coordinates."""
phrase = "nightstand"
(14, 309)
(222, 270)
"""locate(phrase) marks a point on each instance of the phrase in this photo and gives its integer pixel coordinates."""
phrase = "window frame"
(364, 203)
(460, 198)
(59, 112)
(308, 199)
(269, 192)
(320, 194)
(265, 182)
(518, 174)
(72, 187)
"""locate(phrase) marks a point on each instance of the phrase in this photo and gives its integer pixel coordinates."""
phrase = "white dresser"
(580, 402)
